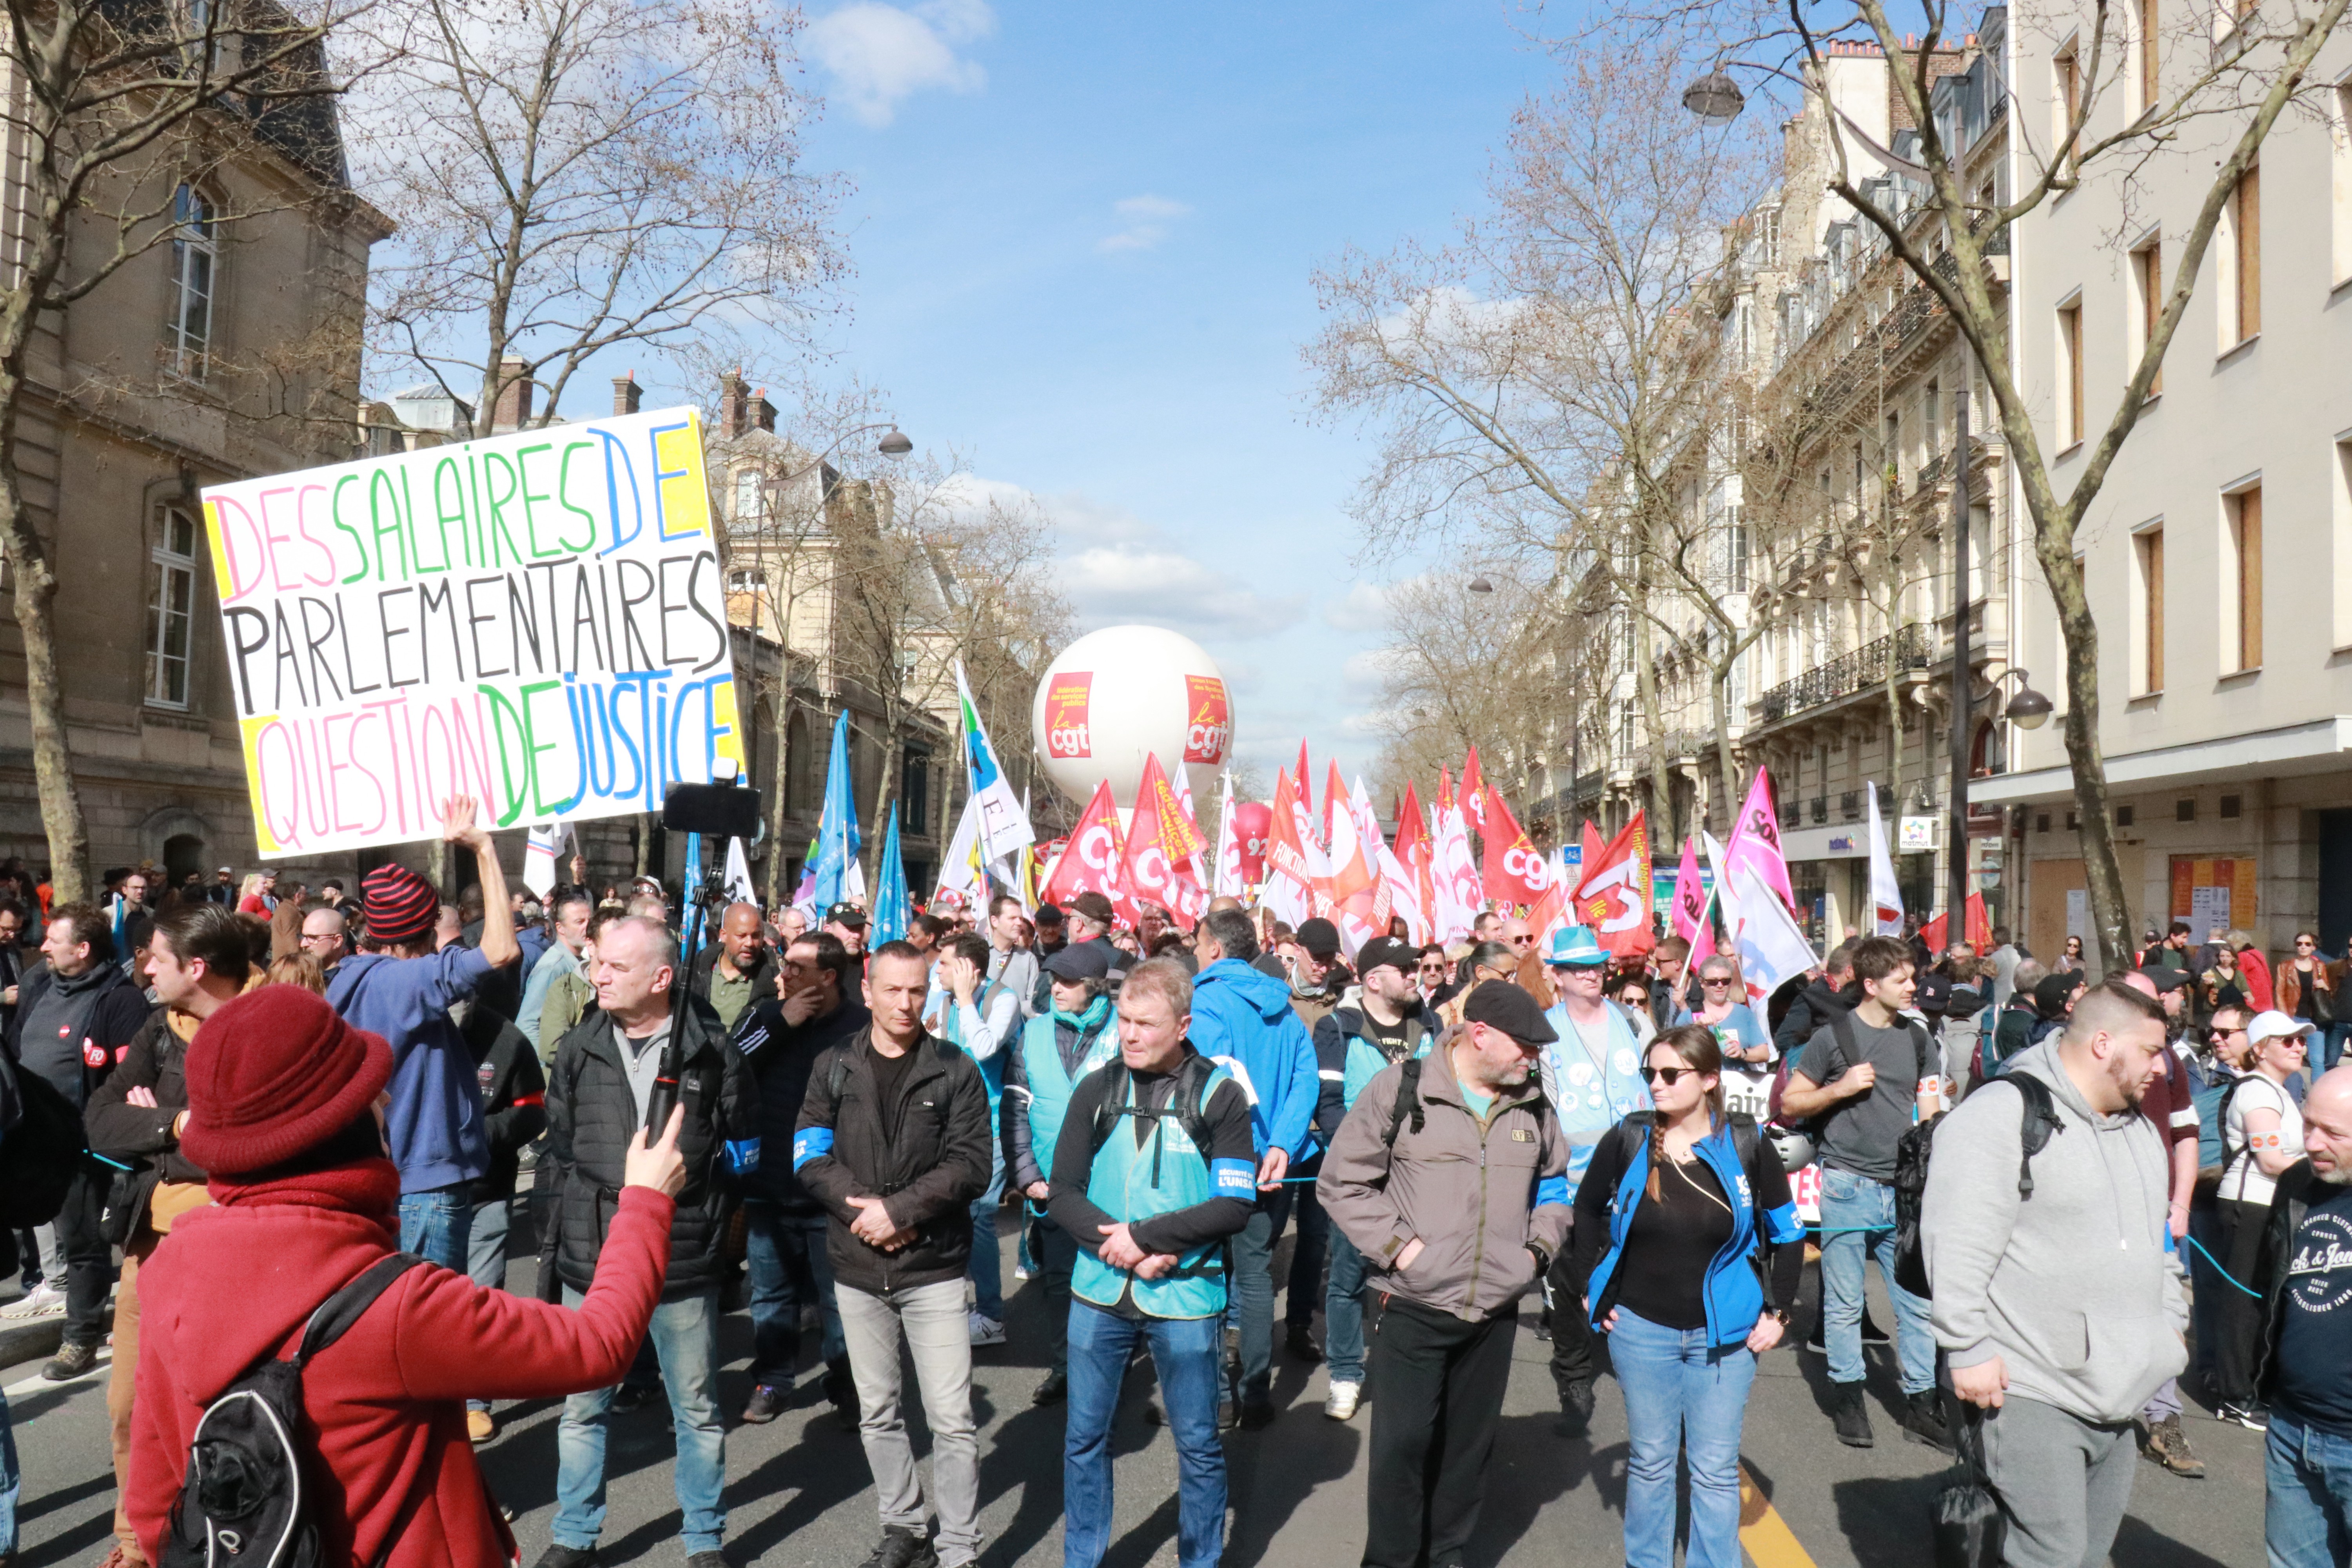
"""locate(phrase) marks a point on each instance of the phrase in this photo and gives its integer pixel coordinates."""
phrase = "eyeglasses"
(1715, 980)
(2301, 942)
(1525, 938)
(309, 937)
(1667, 1076)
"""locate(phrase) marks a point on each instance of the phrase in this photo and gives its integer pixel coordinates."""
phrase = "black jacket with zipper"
(137, 1135)
(2291, 1199)
(591, 1120)
(928, 1175)
(514, 1097)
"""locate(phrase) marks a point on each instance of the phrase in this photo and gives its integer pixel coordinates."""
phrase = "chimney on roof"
(515, 389)
(764, 413)
(626, 394)
(733, 406)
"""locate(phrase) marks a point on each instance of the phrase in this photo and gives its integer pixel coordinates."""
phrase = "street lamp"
(1481, 586)
(894, 445)
(2029, 709)
(1715, 97)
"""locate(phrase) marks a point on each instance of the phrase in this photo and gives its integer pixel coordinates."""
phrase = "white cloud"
(1146, 219)
(879, 54)
(1364, 608)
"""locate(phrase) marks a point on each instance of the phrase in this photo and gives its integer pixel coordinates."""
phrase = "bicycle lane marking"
(1764, 1535)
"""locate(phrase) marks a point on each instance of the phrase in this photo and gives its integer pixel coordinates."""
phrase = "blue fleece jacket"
(438, 1136)
(1242, 1019)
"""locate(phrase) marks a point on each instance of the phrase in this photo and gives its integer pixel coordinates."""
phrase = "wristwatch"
(1779, 1314)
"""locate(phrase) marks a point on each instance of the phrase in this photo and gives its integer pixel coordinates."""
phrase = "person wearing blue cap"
(1592, 1075)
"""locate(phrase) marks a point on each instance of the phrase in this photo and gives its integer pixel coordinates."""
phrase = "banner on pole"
(536, 618)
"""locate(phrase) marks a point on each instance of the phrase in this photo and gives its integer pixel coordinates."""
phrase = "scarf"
(369, 1188)
(1084, 1023)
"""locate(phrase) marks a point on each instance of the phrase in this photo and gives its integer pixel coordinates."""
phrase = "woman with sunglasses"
(2306, 990)
(2261, 1138)
(1672, 1213)
(1723, 1011)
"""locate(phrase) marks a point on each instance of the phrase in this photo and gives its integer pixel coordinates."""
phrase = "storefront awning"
(2316, 746)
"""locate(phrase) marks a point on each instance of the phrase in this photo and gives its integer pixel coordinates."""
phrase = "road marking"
(1763, 1533)
(34, 1383)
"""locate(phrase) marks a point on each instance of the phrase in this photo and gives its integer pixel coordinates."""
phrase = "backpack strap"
(1746, 1144)
(1408, 1100)
(339, 1311)
(2038, 1119)
(1114, 1100)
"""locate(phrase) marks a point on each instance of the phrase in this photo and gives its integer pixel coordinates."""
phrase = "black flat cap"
(1081, 961)
(1500, 1004)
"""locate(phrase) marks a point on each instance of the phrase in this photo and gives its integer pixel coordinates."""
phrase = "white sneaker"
(1021, 1271)
(986, 1330)
(1340, 1404)
(43, 1301)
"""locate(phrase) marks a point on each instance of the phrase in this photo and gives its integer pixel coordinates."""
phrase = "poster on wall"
(2078, 915)
(536, 620)
(2210, 891)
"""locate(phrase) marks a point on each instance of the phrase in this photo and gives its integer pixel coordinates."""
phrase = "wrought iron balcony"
(1821, 807)
(1868, 665)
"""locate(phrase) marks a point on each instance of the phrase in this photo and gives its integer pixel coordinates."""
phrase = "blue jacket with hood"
(1241, 1019)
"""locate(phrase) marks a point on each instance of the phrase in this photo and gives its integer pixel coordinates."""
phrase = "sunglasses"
(1527, 940)
(1715, 980)
(1667, 1076)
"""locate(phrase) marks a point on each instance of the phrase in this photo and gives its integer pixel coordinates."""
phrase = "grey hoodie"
(2072, 1288)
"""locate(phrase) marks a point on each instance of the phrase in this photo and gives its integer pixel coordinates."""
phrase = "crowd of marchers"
(260, 1140)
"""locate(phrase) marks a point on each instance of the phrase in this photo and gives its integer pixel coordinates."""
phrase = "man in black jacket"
(781, 1038)
(1818, 1003)
(197, 959)
(75, 1019)
(2304, 1365)
(596, 1101)
(737, 973)
(514, 1113)
(894, 1141)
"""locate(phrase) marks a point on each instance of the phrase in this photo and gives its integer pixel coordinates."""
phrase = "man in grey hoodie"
(2061, 1313)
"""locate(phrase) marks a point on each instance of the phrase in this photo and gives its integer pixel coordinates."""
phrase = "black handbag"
(1970, 1529)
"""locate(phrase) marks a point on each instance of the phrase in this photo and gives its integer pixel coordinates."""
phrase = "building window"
(2069, 371)
(2341, 532)
(171, 610)
(1738, 548)
(748, 508)
(2149, 61)
(800, 768)
(2068, 87)
(914, 790)
(2340, 128)
(1625, 728)
(2148, 631)
(2147, 268)
(2245, 581)
(744, 580)
(195, 256)
(2245, 292)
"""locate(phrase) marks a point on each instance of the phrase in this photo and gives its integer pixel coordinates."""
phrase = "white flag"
(1884, 892)
(542, 856)
(1228, 849)
(1767, 942)
(1404, 897)
(1004, 823)
(739, 875)
(960, 869)
(1453, 875)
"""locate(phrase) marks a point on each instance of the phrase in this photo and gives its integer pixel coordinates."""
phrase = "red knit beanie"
(274, 1073)
(401, 906)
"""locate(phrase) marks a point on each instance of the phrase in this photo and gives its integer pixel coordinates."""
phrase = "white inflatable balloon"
(1116, 695)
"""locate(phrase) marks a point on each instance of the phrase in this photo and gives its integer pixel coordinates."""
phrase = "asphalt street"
(797, 1490)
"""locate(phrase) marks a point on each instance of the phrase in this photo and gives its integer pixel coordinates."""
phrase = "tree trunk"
(1645, 687)
(1725, 763)
(884, 792)
(62, 822)
(2102, 874)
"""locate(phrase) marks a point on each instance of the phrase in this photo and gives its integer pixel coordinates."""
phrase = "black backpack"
(244, 1490)
(2038, 1119)
(40, 1154)
(1185, 1101)
(1407, 1108)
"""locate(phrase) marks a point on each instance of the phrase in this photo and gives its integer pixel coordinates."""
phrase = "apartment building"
(2218, 555)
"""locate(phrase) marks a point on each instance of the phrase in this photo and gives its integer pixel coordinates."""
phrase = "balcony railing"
(1848, 673)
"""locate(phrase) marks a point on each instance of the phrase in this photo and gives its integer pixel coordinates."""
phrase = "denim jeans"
(485, 1255)
(1858, 1219)
(779, 1249)
(11, 1481)
(684, 1337)
(1185, 1353)
(2307, 1519)
(1343, 1311)
(1251, 1302)
(1681, 1396)
(930, 1320)
(433, 1224)
(986, 1270)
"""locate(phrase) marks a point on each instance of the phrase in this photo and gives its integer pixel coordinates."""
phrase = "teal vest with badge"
(1167, 1173)
(1366, 1062)
(1049, 1086)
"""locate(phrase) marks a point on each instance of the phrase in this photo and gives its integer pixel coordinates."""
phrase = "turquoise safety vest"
(991, 1068)
(1366, 1062)
(1167, 1174)
(1049, 1086)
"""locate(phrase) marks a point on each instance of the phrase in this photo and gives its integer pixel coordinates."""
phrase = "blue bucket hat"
(1575, 947)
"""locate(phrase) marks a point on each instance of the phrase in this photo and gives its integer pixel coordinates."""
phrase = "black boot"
(1851, 1418)
(1923, 1420)
(1575, 1409)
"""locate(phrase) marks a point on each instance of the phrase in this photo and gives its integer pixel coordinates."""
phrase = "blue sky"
(1083, 235)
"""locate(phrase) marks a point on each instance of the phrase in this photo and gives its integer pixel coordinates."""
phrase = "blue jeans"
(1308, 1254)
(486, 1254)
(1251, 1301)
(11, 1479)
(2205, 1301)
(1858, 1219)
(775, 1242)
(986, 1270)
(2307, 1520)
(1681, 1395)
(2331, 1045)
(684, 1337)
(1343, 1311)
(1186, 1352)
(434, 1225)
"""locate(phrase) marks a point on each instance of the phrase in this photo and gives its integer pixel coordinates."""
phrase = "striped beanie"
(401, 906)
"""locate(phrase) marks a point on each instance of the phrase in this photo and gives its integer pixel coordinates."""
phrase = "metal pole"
(1955, 854)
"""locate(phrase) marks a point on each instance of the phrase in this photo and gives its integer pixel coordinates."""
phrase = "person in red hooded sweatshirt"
(285, 1116)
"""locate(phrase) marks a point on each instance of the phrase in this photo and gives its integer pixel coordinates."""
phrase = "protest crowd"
(533, 1145)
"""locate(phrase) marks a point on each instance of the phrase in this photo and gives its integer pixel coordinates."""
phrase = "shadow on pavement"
(1532, 1467)
(1027, 1453)
(1270, 1473)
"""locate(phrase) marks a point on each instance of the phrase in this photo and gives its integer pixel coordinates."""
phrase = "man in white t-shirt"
(2261, 1138)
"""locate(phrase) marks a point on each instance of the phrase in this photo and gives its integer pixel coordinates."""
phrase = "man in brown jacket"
(1450, 1176)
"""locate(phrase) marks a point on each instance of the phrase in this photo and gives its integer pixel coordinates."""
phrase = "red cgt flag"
(1513, 874)
(1095, 862)
(1613, 896)
(1161, 842)
(1474, 797)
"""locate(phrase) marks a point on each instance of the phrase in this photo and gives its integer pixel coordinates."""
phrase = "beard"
(2332, 1175)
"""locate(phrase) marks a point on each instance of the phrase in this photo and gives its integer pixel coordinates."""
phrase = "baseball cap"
(1320, 938)
(1402, 957)
(2275, 1025)
(1500, 1004)
(1575, 947)
(1081, 961)
(845, 914)
(2165, 979)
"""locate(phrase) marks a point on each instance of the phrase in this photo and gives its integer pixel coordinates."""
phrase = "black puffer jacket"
(514, 1097)
(135, 1135)
(591, 1120)
(928, 1175)
(1815, 1006)
(781, 1055)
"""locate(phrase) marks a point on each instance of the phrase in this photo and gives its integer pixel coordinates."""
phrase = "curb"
(36, 1340)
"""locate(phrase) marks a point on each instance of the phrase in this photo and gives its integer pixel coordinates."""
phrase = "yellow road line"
(1763, 1533)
